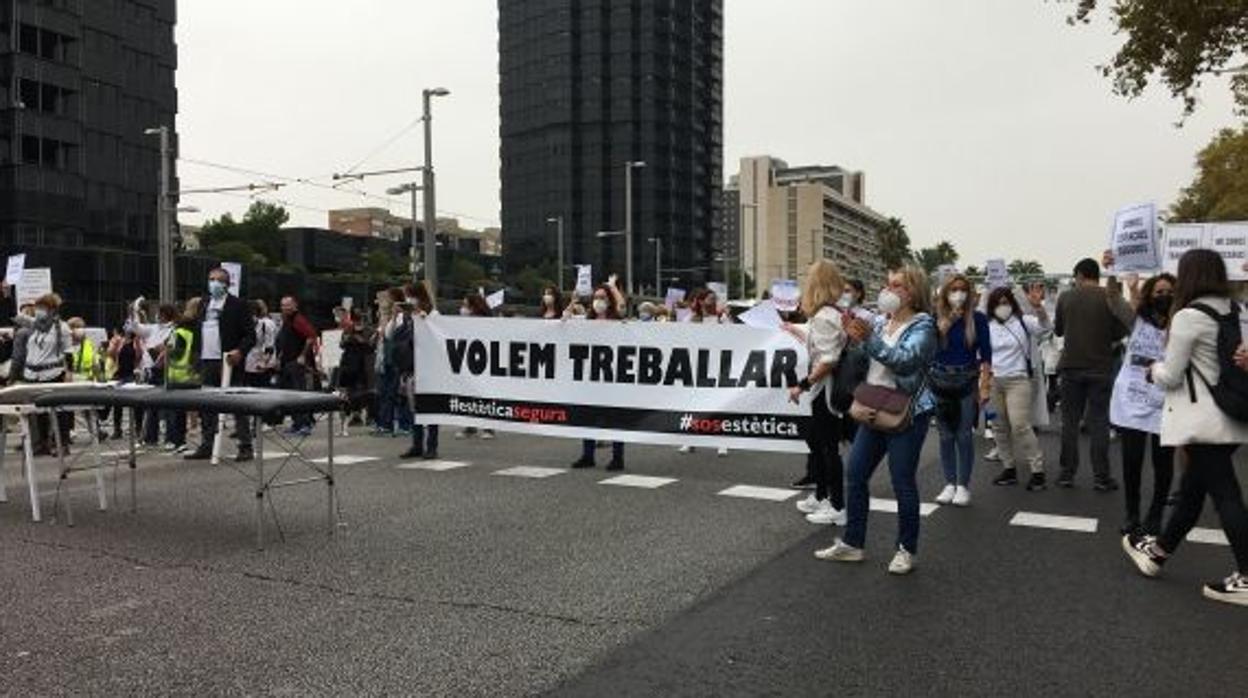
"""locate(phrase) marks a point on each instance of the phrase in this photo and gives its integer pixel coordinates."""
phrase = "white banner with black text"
(655, 383)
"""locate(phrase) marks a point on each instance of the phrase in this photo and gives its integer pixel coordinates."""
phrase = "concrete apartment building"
(788, 217)
(380, 223)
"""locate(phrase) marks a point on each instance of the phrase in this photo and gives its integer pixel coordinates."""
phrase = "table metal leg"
(329, 480)
(260, 491)
(29, 453)
(134, 500)
(54, 423)
(4, 447)
(93, 424)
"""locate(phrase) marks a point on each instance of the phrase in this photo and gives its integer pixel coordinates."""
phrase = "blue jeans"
(957, 448)
(391, 404)
(903, 450)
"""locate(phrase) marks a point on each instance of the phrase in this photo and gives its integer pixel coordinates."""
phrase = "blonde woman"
(825, 340)
(901, 344)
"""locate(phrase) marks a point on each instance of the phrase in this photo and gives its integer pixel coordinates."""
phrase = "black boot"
(1007, 478)
(583, 463)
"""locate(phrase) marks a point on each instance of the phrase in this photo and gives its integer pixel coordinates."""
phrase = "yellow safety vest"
(180, 366)
(85, 368)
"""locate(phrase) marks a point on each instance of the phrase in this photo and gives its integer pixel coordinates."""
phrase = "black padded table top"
(256, 402)
(28, 393)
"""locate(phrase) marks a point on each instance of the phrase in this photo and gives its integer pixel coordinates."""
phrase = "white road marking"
(437, 466)
(346, 460)
(770, 494)
(889, 506)
(642, 481)
(275, 455)
(1212, 536)
(1053, 521)
(530, 471)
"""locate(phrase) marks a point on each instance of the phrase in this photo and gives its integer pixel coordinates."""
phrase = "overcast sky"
(979, 121)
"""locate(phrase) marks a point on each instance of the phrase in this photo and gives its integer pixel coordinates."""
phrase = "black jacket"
(237, 327)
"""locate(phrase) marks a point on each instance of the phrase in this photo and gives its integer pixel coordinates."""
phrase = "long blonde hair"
(945, 310)
(915, 280)
(824, 285)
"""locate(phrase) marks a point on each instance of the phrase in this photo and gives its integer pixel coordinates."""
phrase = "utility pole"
(431, 215)
(558, 221)
(628, 220)
(164, 231)
(658, 266)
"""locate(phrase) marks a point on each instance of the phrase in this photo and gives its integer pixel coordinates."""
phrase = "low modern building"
(786, 218)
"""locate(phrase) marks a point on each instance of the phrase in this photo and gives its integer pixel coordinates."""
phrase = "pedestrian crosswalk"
(1020, 519)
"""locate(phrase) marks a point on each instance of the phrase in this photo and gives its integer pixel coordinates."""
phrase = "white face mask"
(957, 299)
(600, 307)
(846, 302)
(889, 302)
(41, 313)
(548, 299)
(1003, 312)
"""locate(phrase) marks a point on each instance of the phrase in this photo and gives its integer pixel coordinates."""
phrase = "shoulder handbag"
(883, 409)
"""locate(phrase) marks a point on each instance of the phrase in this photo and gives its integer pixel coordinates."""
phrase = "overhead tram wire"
(376, 151)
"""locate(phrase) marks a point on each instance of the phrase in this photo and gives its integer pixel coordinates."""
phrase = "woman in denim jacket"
(902, 346)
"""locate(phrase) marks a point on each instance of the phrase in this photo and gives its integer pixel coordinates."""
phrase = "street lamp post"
(431, 216)
(558, 221)
(757, 286)
(164, 232)
(414, 189)
(658, 266)
(628, 220)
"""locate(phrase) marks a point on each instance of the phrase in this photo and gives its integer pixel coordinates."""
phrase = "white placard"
(785, 294)
(331, 350)
(495, 299)
(13, 273)
(584, 280)
(1180, 237)
(684, 315)
(1133, 239)
(1136, 403)
(34, 283)
(99, 336)
(763, 316)
(1230, 240)
(674, 296)
(347, 303)
(720, 290)
(235, 270)
(676, 384)
(996, 274)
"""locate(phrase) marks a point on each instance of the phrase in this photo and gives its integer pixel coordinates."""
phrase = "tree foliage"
(894, 244)
(256, 240)
(1220, 191)
(1022, 269)
(464, 277)
(1177, 43)
(932, 258)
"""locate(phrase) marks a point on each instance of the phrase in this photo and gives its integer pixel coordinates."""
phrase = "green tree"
(383, 267)
(894, 243)
(1024, 269)
(464, 277)
(1176, 43)
(258, 237)
(973, 272)
(1220, 191)
(932, 258)
(740, 284)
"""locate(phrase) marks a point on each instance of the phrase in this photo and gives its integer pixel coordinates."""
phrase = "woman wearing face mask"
(390, 407)
(604, 307)
(1014, 336)
(474, 305)
(552, 303)
(49, 352)
(646, 312)
(1135, 406)
(901, 346)
(825, 341)
(960, 379)
(424, 438)
(705, 310)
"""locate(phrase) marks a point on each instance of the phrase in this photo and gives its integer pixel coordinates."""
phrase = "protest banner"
(584, 280)
(1137, 403)
(720, 290)
(13, 272)
(1179, 238)
(996, 274)
(785, 293)
(34, 283)
(1230, 240)
(1133, 239)
(674, 296)
(235, 270)
(673, 384)
(495, 300)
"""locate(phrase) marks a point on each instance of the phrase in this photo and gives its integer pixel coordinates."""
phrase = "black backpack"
(404, 340)
(1231, 392)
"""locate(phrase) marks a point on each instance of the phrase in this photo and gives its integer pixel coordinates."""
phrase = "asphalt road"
(471, 582)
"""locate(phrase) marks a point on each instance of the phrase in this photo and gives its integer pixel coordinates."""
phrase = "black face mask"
(1162, 305)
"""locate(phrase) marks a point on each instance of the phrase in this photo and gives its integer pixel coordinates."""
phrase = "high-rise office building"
(80, 82)
(588, 86)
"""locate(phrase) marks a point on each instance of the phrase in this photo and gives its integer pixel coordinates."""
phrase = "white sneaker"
(685, 449)
(841, 552)
(988, 433)
(808, 505)
(825, 515)
(993, 456)
(461, 434)
(487, 434)
(946, 495)
(962, 497)
(903, 562)
(722, 452)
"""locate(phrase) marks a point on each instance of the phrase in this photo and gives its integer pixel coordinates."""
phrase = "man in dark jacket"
(226, 332)
(296, 345)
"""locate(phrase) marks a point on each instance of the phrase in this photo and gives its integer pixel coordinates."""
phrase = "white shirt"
(211, 337)
(48, 350)
(1012, 345)
(261, 356)
(153, 336)
(878, 373)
